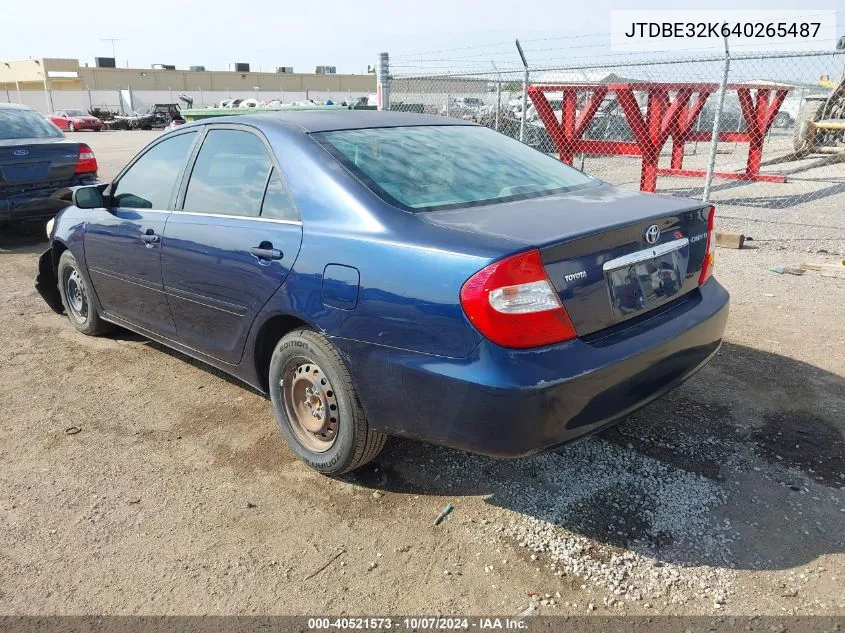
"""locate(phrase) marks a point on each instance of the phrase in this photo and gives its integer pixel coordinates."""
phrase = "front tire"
(317, 406)
(76, 298)
(71, 127)
(804, 134)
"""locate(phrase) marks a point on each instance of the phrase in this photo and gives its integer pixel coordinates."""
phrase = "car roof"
(14, 106)
(331, 120)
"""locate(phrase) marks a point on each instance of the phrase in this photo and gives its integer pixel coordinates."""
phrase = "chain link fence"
(778, 120)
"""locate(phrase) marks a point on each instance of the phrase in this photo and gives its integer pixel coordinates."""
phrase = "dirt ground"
(136, 481)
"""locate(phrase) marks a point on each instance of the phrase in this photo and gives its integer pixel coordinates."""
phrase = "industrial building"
(52, 83)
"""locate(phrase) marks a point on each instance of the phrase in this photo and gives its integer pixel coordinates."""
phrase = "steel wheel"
(310, 404)
(76, 294)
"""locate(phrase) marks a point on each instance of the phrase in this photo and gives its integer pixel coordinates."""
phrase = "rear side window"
(230, 175)
(149, 183)
(434, 167)
(278, 204)
(18, 123)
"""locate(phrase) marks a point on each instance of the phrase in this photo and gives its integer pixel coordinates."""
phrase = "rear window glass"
(430, 168)
(15, 123)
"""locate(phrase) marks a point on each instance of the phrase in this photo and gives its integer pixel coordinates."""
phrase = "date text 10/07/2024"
(420, 623)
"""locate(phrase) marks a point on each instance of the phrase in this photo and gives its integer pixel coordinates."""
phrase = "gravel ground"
(178, 495)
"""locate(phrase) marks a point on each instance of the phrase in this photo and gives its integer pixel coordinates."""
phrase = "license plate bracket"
(643, 280)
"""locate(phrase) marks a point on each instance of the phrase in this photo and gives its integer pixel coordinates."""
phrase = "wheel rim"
(77, 297)
(70, 127)
(310, 404)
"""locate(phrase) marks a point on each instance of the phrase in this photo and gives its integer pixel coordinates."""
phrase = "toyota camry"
(385, 273)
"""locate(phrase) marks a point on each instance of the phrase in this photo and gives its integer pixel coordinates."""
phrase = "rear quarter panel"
(410, 271)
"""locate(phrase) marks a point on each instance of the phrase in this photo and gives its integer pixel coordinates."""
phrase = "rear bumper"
(38, 204)
(511, 403)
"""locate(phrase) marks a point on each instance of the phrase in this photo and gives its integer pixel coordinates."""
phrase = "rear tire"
(317, 406)
(804, 135)
(76, 298)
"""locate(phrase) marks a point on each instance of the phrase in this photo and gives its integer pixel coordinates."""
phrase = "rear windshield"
(430, 168)
(15, 123)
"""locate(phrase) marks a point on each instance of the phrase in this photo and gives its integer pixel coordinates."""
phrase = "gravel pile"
(626, 522)
(621, 520)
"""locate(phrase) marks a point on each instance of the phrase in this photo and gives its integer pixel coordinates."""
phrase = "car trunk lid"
(27, 162)
(610, 253)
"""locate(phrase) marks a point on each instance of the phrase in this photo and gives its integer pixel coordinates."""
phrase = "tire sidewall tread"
(356, 443)
(94, 325)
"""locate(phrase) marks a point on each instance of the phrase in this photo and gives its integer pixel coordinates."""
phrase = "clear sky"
(345, 33)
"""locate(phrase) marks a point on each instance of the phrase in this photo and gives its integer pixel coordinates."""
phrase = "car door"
(230, 244)
(123, 243)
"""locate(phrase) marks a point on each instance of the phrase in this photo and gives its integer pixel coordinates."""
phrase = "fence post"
(498, 102)
(383, 81)
(498, 92)
(714, 141)
(524, 94)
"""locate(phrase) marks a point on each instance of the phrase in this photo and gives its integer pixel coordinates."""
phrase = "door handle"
(151, 238)
(266, 253)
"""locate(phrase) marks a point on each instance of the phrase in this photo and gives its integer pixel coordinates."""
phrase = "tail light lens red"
(513, 303)
(710, 249)
(85, 161)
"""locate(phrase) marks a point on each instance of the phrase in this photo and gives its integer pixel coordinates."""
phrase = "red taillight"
(85, 161)
(710, 249)
(513, 303)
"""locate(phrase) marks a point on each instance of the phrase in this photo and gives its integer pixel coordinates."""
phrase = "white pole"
(383, 81)
(524, 94)
(714, 141)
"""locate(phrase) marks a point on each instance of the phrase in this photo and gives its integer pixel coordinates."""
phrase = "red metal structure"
(671, 110)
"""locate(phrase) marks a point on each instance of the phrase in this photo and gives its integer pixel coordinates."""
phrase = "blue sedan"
(381, 273)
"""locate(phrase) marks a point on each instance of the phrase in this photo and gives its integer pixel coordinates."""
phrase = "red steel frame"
(665, 116)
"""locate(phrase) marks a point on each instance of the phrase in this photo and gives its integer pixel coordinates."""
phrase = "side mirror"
(88, 198)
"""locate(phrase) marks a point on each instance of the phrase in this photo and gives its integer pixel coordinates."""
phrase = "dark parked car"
(383, 273)
(36, 160)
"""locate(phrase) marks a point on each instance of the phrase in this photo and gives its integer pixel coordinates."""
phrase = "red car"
(73, 120)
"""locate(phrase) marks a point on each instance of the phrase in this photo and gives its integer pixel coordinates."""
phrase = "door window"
(149, 183)
(230, 175)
